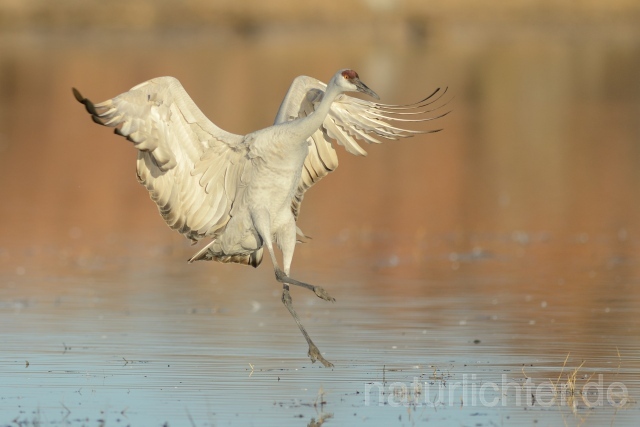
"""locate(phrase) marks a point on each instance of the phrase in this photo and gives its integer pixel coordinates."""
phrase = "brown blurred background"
(146, 15)
(542, 144)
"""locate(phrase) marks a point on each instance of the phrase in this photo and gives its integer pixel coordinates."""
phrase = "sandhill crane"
(244, 191)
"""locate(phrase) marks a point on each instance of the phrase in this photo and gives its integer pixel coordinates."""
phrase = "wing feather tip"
(97, 120)
(91, 109)
(78, 95)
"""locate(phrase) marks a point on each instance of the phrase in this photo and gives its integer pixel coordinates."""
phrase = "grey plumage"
(245, 191)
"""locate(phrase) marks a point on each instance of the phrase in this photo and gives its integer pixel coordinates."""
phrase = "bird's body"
(270, 189)
(244, 192)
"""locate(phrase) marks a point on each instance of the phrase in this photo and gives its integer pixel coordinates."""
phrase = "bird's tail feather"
(207, 254)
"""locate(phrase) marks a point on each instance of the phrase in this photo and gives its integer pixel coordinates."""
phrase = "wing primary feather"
(88, 105)
(109, 111)
(112, 120)
(172, 137)
(423, 102)
(407, 113)
(367, 136)
(400, 119)
(97, 120)
(343, 139)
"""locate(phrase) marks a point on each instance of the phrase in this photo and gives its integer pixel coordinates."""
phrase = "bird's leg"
(284, 278)
(314, 353)
(261, 222)
(287, 240)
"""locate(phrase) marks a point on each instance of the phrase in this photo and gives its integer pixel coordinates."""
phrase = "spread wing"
(192, 168)
(350, 119)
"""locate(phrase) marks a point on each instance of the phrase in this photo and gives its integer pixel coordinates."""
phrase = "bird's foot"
(282, 277)
(320, 292)
(314, 354)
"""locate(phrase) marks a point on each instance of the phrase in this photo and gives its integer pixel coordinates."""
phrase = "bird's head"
(349, 81)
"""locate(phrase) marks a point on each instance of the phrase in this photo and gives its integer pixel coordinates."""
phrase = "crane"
(244, 192)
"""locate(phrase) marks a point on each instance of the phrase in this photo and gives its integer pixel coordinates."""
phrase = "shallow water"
(474, 268)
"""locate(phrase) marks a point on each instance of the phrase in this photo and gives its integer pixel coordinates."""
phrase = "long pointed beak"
(365, 89)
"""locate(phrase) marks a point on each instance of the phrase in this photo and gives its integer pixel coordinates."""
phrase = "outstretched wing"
(350, 119)
(192, 168)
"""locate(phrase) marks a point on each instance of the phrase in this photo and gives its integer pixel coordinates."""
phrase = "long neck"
(313, 121)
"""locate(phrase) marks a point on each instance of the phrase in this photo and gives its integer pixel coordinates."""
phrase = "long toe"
(314, 354)
(319, 290)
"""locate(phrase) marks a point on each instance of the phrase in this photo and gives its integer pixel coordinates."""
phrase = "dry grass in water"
(571, 390)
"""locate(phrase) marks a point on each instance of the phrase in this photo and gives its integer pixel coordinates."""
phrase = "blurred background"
(543, 135)
(526, 207)
(542, 141)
